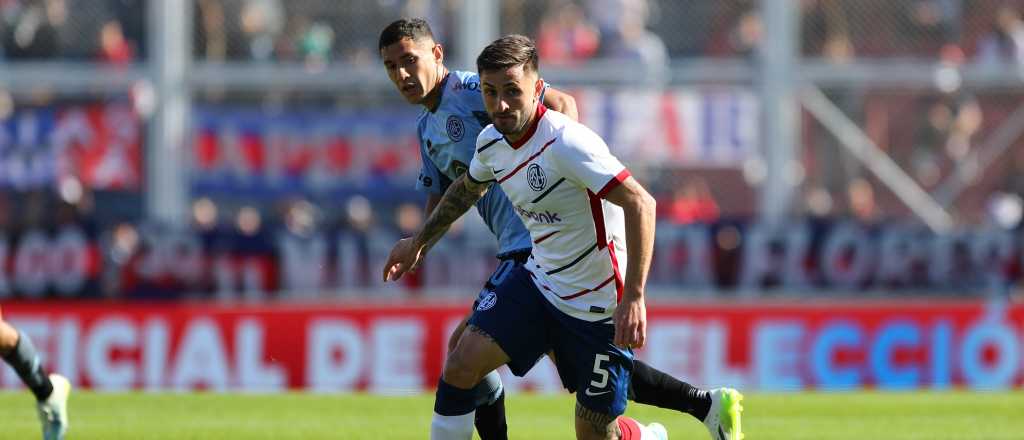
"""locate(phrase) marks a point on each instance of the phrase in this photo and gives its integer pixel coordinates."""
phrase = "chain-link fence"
(307, 31)
(571, 32)
(959, 147)
(105, 31)
(982, 30)
(291, 116)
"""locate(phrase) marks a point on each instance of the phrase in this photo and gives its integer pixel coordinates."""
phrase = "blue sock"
(452, 401)
(453, 413)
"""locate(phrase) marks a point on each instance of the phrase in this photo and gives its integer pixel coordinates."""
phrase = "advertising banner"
(400, 348)
(325, 151)
(76, 261)
(100, 144)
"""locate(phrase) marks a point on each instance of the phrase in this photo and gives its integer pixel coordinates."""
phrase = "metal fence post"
(779, 59)
(478, 26)
(170, 56)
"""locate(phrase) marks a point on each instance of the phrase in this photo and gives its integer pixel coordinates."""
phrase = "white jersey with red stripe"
(556, 177)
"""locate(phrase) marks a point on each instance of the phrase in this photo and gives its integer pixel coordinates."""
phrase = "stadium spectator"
(312, 41)
(114, 48)
(261, 23)
(565, 36)
(131, 16)
(7, 222)
(247, 264)
(928, 26)
(826, 31)
(1005, 43)
(625, 36)
(210, 39)
(32, 34)
(745, 38)
(691, 202)
(943, 135)
(861, 201)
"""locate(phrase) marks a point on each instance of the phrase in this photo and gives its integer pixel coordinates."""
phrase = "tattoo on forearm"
(456, 201)
(599, 423)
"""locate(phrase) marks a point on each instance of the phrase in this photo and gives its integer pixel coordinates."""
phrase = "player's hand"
(404, 257)
(630, 320)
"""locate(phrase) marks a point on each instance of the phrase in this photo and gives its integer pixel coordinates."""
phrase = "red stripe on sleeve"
(616, 181)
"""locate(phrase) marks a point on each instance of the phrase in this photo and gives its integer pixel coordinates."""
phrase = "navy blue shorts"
(505, 265)
(526, 326)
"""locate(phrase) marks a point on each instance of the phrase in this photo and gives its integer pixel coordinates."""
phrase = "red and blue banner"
(99, 144)
(399, 347)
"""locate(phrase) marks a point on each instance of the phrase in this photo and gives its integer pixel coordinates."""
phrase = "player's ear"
(438, 53)
(538, 87)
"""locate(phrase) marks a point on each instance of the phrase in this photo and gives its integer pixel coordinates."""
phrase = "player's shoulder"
(487, 138)
(422, 121)
(462, 83)
(422, 118)
(569, 131)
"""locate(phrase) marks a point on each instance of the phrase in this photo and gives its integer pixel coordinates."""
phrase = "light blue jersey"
(447, 140)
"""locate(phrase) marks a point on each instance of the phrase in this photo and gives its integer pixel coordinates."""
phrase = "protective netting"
(573, 31)
(983, 30)
(110, 31)
(931, 136)
(312, 31)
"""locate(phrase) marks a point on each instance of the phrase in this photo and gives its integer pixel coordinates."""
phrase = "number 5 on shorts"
(600, 371)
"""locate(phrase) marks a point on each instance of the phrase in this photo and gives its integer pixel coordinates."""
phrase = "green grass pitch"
(861, 415)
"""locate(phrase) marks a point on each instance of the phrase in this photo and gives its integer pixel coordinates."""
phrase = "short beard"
(507, 132)
(520, 128)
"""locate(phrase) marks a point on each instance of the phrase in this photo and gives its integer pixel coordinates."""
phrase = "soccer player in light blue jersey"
(453, 115)
(51, 391)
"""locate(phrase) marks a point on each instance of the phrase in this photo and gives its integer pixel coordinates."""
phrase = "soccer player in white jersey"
(452, 118)
(51, 391)
(516, 323)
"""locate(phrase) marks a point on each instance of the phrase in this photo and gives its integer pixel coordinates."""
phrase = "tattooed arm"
(432, 201)
(407, 253)
(461, 195)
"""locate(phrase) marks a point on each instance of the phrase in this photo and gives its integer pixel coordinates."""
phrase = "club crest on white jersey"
(556, 177)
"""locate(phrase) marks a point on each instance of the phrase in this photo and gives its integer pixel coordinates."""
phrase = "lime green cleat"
(53, 412)
(723, 419)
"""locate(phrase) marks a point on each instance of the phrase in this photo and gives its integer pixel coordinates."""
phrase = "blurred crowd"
(105, 31)
(567, 31)
(929, 133)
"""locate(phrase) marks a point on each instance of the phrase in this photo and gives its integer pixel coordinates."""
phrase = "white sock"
(646, 433)
(633, 430)
(452, 427)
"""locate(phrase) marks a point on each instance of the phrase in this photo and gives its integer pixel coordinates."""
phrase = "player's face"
(510, 96)
(414, 67)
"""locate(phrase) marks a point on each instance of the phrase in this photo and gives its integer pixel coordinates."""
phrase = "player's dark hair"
(413, 28)
(508, 51)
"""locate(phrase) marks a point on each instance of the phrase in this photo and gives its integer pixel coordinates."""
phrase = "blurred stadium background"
(200, 194)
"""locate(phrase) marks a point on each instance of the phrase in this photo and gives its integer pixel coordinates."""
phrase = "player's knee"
(453, 340)
(460, 370)
(8, 337)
